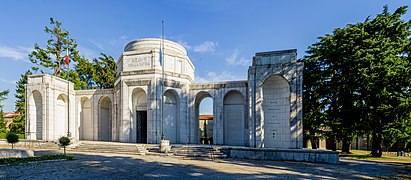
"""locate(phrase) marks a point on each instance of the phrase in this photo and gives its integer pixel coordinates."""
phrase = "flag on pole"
(67, 58)
(161, 57)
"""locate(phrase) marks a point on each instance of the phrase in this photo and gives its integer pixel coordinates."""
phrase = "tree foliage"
(12, 138)
(3, 96)
(104, 71)
(64, 141)
(18, 124)
(359, 79)
(99, 73)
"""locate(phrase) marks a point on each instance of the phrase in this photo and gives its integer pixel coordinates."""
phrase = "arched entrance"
(139, 108)
(36, 113)
(86, 123)
(105, 119)
(233, 122)
(61, 115)
(204, 110)
(171, 114)
(276, 112)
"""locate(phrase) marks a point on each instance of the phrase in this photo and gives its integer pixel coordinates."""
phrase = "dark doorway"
(141, 126)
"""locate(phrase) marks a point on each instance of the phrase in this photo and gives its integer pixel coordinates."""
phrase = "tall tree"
(52, 56)
(385, 72)
(17, 126)
(364, 75)
(104, 71)
(3, 97)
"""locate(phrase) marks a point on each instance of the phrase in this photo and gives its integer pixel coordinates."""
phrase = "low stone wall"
(16, 153)
(307, 155)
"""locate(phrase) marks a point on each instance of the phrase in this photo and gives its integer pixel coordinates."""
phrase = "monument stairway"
(112, 147)
(197, 151)
(147, 149)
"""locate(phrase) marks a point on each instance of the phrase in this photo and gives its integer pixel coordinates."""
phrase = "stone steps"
(112, 147)
(197, 151)
(143, 149)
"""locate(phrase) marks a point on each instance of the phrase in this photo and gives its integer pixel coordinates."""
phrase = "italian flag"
(67, 59)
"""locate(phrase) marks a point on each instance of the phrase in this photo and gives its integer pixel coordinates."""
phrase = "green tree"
(12, 139)
(363, 78)
(3, 96)
(104, 71)
(85, 70)
(17, 126)
(64, 141)
(53, 55)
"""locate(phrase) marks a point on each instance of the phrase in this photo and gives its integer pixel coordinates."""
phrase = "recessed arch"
(234, 118)
(61, 116)
(171, 114)
(86, 123)
(105, 119)
(36, 114)
(139, 115)
(276, 112)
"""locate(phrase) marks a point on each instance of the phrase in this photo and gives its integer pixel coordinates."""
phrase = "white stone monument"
(263, 111)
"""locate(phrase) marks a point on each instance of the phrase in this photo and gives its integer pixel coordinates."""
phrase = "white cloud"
(218, 77)
(95, 43)
(233, 59)
(8, 81)
(119, 40)
(87, 53)
(15, 53)
(206, 46)
(184, 44)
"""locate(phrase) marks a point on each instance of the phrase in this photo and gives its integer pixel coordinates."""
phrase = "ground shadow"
(116, 166)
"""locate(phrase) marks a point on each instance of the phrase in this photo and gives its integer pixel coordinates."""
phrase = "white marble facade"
(263, 111)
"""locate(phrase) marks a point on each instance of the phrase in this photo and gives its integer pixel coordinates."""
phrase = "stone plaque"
(137, 62)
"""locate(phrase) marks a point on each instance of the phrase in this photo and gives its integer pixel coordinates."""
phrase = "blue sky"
(221, 36)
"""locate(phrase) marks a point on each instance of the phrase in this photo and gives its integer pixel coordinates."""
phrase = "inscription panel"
(137, 62)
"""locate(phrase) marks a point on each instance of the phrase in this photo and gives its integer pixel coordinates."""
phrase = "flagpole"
(68, 94)
(162, 84)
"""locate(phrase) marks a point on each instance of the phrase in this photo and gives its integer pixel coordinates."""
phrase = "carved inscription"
(138, 62)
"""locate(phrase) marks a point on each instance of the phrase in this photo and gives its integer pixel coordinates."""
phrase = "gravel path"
(114, 166)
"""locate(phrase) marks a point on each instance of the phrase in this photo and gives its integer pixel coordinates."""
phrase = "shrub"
(64, 141)
(12, 138)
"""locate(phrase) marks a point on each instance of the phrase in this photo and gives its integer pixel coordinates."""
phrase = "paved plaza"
(114, 166)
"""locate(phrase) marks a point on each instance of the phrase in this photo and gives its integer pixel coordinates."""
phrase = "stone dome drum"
(144, 54)
(149, 44)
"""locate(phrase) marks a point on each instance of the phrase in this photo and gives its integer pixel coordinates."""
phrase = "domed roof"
(148, 44)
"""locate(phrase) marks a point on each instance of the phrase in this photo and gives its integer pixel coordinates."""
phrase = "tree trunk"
(12, 146)
(376, 149)
(313, 139)
(346, 147)
(64, 150)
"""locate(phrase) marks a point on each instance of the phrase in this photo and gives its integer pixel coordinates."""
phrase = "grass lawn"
(35, 158)
(365, 155)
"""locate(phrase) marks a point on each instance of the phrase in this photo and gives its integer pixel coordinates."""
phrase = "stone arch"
(61, 116)
(36, 114)
(86, 122)
(105, 119)
(234, 118)
(276, 112)
(171, 114)
(200, 96)
(139, 115)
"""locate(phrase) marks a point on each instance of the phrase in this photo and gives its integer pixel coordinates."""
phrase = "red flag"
(67, 59)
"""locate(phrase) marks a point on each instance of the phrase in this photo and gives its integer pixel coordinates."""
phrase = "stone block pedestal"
(165, 146)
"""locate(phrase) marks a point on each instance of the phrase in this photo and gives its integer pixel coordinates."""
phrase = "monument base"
(165, 146)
